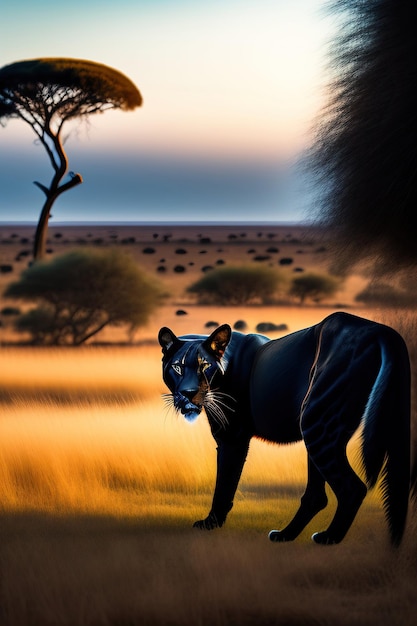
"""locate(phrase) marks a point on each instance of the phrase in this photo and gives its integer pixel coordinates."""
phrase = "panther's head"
(191, 365)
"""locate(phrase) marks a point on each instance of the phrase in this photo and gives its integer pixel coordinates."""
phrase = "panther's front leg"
(231, 457)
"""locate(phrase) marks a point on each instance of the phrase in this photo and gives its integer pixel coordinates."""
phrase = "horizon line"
(162, 222)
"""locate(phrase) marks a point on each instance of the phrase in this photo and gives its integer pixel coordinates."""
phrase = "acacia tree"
(47, 93)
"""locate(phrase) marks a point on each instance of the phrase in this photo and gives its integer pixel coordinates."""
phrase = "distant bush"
(268, 327)
(314, 286)
(386, 295)
(211, 324)
(237, 285)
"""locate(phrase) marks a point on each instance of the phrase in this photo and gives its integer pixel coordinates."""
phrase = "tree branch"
(42, 187)
(93, 332)
(76, 179)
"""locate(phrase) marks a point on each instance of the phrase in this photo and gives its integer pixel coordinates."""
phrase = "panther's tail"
(386, 433)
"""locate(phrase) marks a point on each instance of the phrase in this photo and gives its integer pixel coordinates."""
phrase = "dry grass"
(102, 442)
(99, 488)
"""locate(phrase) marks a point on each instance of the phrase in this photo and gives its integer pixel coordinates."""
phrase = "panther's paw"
(324, 539)
(278, 536)
(209, 523)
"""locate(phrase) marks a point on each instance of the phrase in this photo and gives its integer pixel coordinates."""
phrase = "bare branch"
(42, 187)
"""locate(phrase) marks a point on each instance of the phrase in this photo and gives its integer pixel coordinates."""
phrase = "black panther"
(318, 384)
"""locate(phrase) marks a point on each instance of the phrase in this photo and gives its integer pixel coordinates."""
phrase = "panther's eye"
(177, 368)
(203, 365)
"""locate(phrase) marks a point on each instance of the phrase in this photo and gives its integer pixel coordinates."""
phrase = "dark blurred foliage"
(365, 154)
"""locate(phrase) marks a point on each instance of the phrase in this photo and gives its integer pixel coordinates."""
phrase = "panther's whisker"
(218, 417)
(222, 393)
(168, 400)
(218, 414)
(218, 398)
(169, 405)
(224, 404)
(212, 404)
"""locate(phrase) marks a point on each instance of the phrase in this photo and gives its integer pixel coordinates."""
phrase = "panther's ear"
(166, 339)
(219, 340)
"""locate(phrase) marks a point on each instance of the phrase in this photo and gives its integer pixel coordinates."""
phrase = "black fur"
(316, 384)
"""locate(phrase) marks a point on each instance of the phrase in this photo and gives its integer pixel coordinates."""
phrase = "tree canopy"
(314, 286)
(50, 91)
(237, 285)
(46, 93)
(81, 292)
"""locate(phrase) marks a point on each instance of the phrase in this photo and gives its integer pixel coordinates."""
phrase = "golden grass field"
(100, 485)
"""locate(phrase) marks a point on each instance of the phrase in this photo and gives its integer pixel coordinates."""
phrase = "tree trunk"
(39, 246)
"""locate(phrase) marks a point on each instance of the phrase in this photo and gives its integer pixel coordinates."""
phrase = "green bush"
(237, 285)
(80, 293)
(314, 286)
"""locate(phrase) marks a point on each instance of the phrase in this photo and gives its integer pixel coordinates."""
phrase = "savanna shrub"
(314, 286)
(238, 285)
(79, 293)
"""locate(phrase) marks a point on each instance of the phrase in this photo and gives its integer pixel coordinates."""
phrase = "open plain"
(100, 484)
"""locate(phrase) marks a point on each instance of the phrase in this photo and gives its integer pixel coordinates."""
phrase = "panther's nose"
(190, 393)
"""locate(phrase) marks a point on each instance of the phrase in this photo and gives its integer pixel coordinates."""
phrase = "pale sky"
(232, 81)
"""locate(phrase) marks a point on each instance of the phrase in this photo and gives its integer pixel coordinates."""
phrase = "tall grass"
(127, 460)
(89, 434)
(85, 374)
(94, 437)
(100, 485)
